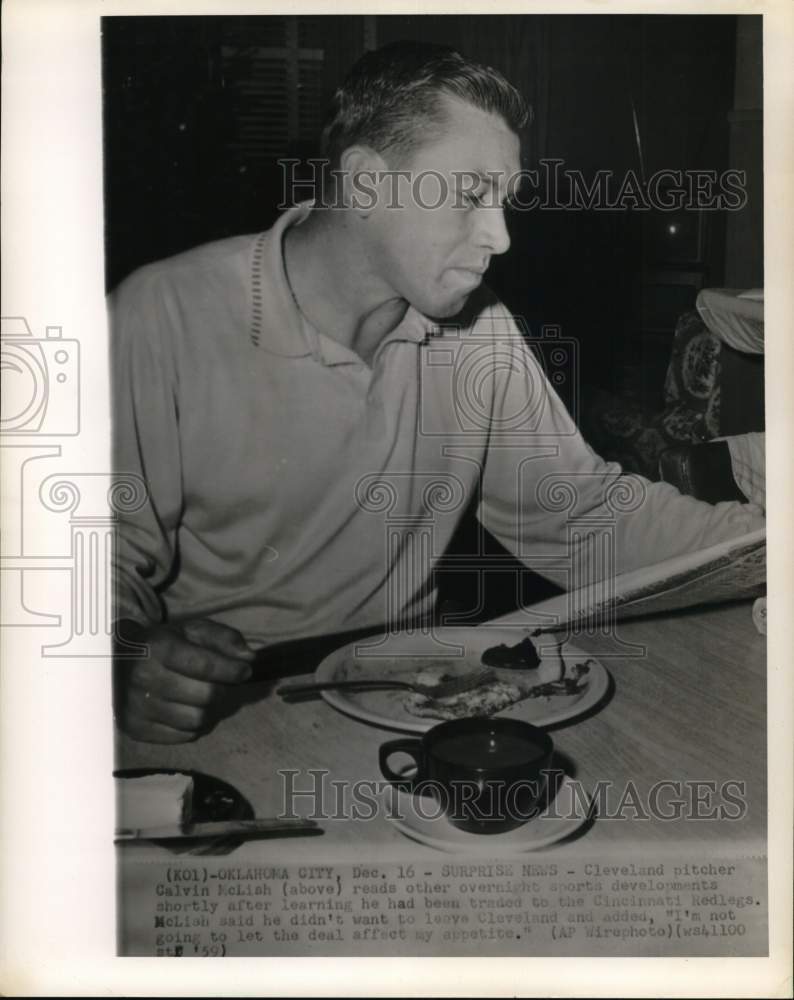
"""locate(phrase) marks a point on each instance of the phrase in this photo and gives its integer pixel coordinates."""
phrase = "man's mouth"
(473, 274)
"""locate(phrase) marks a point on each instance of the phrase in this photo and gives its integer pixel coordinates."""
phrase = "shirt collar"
(289, 333)
(272, 302)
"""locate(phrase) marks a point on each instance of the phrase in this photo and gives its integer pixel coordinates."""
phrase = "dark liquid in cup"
(487, 750)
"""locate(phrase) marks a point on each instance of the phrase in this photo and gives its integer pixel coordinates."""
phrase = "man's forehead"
(473, 141)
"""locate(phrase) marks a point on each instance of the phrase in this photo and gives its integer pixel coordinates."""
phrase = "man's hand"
(174, 694)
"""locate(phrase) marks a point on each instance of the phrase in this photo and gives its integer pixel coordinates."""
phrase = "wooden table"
(691, 709)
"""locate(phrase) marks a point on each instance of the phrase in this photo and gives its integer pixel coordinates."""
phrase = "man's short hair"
(392, 98)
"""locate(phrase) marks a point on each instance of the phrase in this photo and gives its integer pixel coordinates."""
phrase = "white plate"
(400, 655)
(564, 817)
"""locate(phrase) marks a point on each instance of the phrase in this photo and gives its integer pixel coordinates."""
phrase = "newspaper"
(731, 571)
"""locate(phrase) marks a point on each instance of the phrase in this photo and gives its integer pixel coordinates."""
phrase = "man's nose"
(492, 230)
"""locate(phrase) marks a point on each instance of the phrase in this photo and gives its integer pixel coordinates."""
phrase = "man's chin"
(464, 307)
(450, 308)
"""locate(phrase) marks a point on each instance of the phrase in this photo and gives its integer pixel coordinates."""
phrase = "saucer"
(213, 800)
(563, 817)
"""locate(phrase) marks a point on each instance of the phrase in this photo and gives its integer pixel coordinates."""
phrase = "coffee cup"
(488, 775)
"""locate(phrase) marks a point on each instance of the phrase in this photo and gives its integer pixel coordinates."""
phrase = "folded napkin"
(737, 319)
(748, 460)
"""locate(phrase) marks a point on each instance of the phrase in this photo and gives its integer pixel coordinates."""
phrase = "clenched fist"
(174, 693)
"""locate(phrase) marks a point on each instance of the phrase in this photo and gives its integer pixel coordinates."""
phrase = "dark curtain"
(517, 46)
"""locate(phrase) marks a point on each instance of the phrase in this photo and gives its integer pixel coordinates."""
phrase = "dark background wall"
(198, 110)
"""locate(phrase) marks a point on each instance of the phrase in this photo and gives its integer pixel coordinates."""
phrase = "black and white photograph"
(424, 556)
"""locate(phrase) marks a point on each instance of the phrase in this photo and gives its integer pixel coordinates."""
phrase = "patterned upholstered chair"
(620, 430)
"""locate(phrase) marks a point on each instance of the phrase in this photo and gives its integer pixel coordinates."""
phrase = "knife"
(221, 828)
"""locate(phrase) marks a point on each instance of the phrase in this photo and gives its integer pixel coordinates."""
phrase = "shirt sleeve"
(563, 510)
(145, 444)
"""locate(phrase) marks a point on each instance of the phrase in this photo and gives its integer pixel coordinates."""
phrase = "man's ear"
(361, 170)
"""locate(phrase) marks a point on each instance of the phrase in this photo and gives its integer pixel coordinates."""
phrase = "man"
(313, 407)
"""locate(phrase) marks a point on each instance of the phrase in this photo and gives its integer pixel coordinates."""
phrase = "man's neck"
(333, 285)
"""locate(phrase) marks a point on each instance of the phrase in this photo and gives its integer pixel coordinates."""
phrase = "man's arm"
(145, 444)
(543, 482)
(172, 688)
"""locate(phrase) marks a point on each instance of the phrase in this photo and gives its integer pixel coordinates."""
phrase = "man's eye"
(473, 198)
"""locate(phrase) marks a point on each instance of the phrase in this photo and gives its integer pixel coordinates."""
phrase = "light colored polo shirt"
(296, 491)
